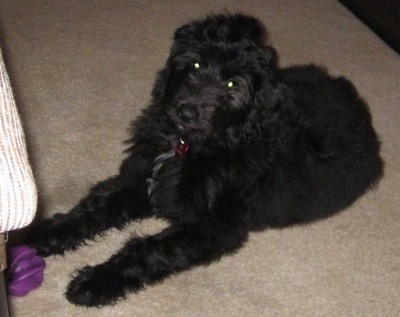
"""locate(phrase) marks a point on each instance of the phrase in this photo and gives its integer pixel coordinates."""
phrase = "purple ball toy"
(25, 272)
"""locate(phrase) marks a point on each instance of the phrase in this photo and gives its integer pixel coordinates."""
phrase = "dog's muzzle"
(188, 113)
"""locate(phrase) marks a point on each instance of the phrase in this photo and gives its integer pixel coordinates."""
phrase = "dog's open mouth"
(181, 148)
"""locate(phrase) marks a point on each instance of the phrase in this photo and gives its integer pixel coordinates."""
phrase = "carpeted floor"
(81, 70)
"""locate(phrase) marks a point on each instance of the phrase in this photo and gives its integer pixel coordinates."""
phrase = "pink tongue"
(181, 149)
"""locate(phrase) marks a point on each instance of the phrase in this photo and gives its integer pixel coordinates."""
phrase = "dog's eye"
(196, 65)
(230, 84)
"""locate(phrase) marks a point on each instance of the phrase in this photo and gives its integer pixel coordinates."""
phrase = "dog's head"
(214, 74)
(222, 28)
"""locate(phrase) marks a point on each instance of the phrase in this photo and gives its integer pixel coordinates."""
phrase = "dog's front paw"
(96, 286)
(52, 236)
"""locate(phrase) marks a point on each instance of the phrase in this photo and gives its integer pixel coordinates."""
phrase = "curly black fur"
(229, 144)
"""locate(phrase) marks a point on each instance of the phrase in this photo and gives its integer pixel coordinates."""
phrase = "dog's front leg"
(109, 204)
(149, 260)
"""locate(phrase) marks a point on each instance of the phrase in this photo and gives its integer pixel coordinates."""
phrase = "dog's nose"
(188, 113)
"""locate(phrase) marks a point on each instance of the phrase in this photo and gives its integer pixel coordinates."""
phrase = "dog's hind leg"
(109, 204)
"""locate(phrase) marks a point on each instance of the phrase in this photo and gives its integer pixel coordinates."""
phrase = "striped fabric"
(18, 197)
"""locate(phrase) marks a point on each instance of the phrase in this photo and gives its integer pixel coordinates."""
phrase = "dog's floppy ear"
(225, 28)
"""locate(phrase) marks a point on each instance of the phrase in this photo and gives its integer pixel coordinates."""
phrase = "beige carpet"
(81, 71)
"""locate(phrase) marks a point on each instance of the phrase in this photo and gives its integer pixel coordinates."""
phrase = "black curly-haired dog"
(229, 144)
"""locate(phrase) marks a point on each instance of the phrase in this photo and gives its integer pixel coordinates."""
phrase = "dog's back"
(333, 160)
